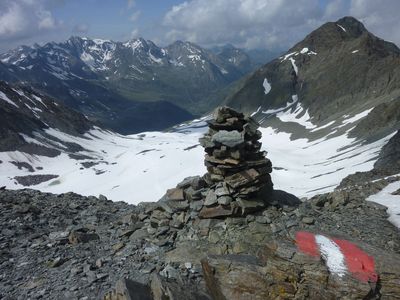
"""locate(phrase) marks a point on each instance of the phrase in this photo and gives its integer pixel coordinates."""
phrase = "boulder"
(314, 266)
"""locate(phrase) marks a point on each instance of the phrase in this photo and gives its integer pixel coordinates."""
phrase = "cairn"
(237, 170)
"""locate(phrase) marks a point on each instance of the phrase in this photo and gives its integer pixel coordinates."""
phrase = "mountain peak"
(351, 26)
(331, 34)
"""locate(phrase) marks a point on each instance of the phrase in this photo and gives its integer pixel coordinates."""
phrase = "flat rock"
(216, 212)
(211, 198)
(248, 206)
(228, 138)
(175, 194)
(242, 178)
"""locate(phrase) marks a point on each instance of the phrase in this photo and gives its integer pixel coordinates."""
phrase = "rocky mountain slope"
(337, 72)
(217, 236)
(110, 81)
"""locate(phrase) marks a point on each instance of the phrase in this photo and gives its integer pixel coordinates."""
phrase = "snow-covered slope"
(141, 167)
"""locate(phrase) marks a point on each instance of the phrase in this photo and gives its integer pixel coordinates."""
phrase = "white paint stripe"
(332, 255)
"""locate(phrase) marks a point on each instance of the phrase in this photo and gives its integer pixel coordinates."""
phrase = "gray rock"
(211, 198)
(225, 200)
(229, 138)
(308, 220)
(169, 272)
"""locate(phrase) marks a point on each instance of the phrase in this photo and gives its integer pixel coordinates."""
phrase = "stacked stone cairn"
(238, 172)
(237, 182)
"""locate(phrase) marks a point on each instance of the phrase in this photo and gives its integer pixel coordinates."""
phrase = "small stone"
(162, 230)
(248, 206)
(188, 265)
(263, 220)
(224, 200)
(229, 138)
(139, 234)
(211, 198)
(82, 236)
(101, 276)
(102, 198)
(308, 220)
(118, 246)
(222, 190)
(57, 262)
(99, 262)
(129, 219)
(291, 223)
(196, 205)
(214, 237)
(126, 233)
(216, 212)
(175, 194)
(169, 272)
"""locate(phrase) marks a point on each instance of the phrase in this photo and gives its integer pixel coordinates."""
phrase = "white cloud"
(381, 17)
(25, 18)
(249, 23)
(81, 28)
(134, 34)
(131, 4)
(135, 16)
(271, 23)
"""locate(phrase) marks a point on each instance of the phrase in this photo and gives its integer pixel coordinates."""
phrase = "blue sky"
(112, 19)
(273, 24)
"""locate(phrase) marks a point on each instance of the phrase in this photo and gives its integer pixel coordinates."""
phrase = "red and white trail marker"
(341, 256)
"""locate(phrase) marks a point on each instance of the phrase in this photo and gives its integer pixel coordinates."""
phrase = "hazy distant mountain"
(100, 78)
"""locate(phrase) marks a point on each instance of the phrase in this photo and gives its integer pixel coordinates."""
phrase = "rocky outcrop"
(281, 271)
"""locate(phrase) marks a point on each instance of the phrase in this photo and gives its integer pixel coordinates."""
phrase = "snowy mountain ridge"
(105, 79)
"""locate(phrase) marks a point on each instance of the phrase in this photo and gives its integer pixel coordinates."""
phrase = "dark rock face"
(341, 68)
(389, 158)
(28, 111)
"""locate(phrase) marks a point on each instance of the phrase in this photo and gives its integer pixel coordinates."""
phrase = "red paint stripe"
(359, 263)
(306, 243)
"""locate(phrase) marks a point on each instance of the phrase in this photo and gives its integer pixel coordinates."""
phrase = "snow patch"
(299, 116)
(6, 99)
(324, 126)
(155, 59)
(341, 27)
(304, 50)
(392, 202)
(277, 110)
(267, 86)
(355, 118)
(289, 55)
(295, 68)
(256, 112)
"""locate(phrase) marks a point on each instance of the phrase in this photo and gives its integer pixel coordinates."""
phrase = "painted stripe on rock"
(340, 256)
(359, 263)
(306, 243)
(332, 255)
